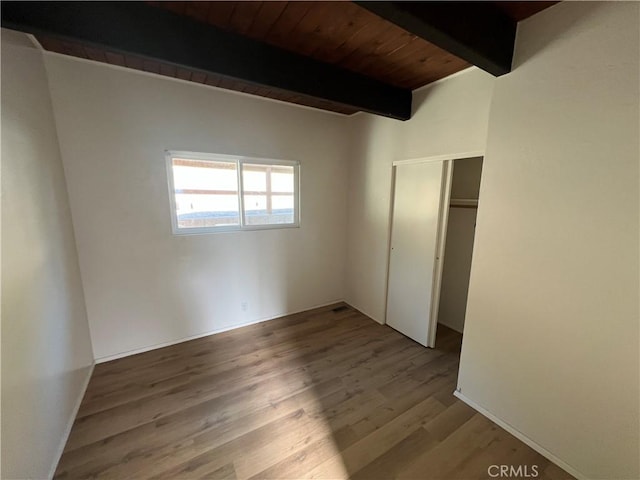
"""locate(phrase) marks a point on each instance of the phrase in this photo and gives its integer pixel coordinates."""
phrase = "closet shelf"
(464, 202)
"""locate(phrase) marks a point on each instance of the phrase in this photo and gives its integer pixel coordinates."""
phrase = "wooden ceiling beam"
(478, 32)
(142, 30)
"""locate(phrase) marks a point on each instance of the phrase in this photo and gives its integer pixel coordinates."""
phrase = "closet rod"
(463, 203)
(463, 206)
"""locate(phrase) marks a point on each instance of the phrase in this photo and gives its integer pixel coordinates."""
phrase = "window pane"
(206, 193)
(268, 194)
(283, 202)
(254, 181)
(282, 182)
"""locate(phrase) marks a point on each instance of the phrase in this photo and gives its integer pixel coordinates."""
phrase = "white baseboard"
(362, 311)
(128, 353)
(72, 419)
(452, 327)
(521, 436)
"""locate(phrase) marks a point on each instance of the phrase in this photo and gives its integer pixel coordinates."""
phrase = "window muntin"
(206, 193)
(215, 193)
(269, 194)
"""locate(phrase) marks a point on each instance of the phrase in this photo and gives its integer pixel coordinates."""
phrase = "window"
(217, 193)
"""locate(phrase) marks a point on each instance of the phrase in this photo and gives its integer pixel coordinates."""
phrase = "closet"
(458, 249)
(432, 230)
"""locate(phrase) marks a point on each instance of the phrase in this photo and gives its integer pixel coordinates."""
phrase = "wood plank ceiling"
(343, 34)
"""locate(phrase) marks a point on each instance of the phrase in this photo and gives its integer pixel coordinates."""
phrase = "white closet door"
(413, 264)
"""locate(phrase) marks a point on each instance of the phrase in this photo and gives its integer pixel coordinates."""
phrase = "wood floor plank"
(450, 420)
(215, 357)
(385, 466)
(298, 464)
(499, 451)
(392, 409)
(223, 473)
(379, 441)
(554, 472)
(319, 394)
(220, 347)
(257, 382)
(443, 460)
(149, 439)
(255, 447)
(258, 363)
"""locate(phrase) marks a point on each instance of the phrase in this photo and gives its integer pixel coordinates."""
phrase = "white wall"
(461, 227)
(145, 286)
(551, 338)
(456, 267)
(46, 349)
(449, 117)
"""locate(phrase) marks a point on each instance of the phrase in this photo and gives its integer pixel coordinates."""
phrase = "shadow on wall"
(420, 99)
(46, 349)
(369, 206)
(556, 26)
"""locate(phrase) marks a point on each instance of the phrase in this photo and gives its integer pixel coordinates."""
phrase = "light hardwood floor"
(320, 394)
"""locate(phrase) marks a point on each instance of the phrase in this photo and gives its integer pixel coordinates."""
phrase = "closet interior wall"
(465, 189)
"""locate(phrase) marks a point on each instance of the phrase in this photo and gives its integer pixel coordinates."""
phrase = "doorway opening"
(434, 209)
(459, 239)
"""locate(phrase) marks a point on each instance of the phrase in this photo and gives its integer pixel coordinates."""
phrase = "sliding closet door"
(413, 264)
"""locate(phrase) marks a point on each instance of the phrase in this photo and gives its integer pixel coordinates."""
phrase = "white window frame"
(239, 161)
